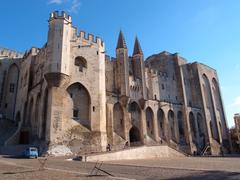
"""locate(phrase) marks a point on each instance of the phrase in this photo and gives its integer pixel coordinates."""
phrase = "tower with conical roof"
(138, 66)
(122, 75)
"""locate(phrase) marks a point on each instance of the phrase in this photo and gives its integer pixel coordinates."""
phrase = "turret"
(138, 65)
(58, 48)
(122, 76)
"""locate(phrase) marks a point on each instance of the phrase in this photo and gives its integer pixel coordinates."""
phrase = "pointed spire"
(137, 48)
(121, 41)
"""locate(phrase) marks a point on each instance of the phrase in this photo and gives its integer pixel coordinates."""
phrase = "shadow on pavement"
(14, 157)
(211, 175)
(19, 172)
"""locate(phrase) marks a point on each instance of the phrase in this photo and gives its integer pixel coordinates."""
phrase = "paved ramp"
(143, 152)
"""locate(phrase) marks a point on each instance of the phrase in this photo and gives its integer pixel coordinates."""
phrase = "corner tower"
(58, 48)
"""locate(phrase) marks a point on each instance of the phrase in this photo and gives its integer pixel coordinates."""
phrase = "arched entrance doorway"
(134, 136)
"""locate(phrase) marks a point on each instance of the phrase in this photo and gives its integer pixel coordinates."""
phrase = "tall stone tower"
(56, 70)
(58, 48)
(122, 78)
(138, 66)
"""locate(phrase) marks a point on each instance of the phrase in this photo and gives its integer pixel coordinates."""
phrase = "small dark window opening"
(155, 97)
(6, 105)
(81, 63)
(75, 113)
(11, 89)
(190, 103)
(162, 86)
(93, 108)
(121, 121)
(97, 52)
(71, 95)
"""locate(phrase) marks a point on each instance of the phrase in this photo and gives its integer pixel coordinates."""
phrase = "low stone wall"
(143, 152)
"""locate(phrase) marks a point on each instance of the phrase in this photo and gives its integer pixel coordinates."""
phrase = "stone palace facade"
(70, 92)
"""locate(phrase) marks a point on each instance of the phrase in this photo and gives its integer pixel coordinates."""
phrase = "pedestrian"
(126, 145)
(108, 147)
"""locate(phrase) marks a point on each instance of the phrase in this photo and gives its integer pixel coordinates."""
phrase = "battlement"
(33, 51)
(60, 15)
(90, 38)
(8, 53)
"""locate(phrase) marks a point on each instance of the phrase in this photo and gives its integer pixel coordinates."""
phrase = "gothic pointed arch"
(149, 122)
(161, 123)
(118, 119)
(10, 94)
(81, 104)
(210, 106)
(219, 107)
(182, 139)
(201, 130)
(193, 126)
(171, 121)
(135, 112)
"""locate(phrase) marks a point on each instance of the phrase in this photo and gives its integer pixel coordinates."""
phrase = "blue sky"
(207, 31)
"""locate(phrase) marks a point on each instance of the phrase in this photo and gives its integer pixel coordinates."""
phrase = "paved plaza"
(177, 168)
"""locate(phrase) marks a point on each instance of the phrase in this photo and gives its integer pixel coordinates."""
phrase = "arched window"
(81, 62)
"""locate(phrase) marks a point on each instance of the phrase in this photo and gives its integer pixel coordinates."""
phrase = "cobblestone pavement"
(178, 168)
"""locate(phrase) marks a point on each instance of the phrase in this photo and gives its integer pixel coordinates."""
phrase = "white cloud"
(55, 1)
(71, 5)
(75, 6)
(236, 102)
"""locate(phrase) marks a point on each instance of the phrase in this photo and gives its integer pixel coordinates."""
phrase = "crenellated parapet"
(88, 38)
(60, 15)
(8, 53)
